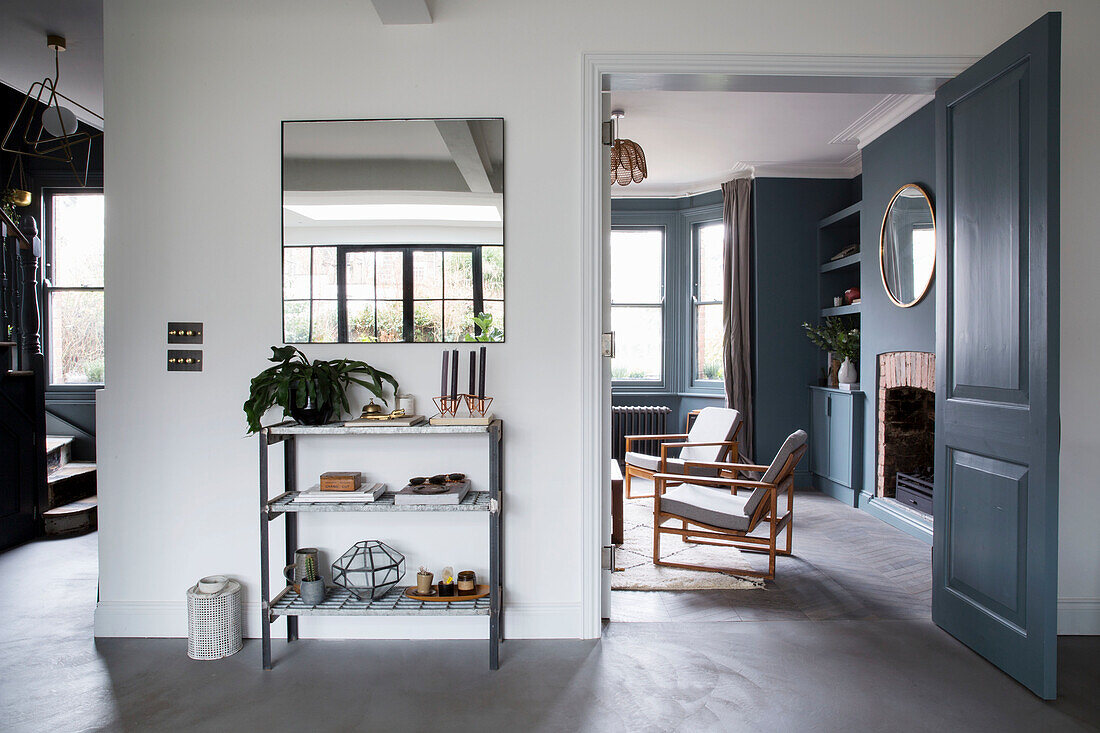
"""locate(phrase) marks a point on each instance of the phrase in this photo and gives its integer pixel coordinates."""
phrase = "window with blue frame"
(637, 303)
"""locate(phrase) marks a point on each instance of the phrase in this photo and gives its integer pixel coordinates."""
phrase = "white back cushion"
(712, 425)
(794, 441)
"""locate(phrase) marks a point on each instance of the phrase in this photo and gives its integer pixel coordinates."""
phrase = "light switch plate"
(184, 332)
(184, 360)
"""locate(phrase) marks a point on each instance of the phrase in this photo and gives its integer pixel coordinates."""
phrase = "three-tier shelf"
(340, 602)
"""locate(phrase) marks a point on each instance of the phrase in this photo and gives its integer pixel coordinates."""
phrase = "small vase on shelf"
(847, 373)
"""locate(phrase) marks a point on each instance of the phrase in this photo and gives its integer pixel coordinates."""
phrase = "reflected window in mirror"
(393, 230)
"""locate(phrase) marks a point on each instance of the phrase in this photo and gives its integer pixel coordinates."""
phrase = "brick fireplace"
(905, 417)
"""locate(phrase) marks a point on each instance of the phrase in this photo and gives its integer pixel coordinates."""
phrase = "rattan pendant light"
(627, 158)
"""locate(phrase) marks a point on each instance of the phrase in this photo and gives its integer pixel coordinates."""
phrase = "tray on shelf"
(480, 592)
(340, 602)
(474, 501)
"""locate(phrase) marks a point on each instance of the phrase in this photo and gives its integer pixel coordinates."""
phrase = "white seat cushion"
(674, 465)
(716, 507)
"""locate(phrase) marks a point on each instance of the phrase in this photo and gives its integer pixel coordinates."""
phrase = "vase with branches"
(839, 337)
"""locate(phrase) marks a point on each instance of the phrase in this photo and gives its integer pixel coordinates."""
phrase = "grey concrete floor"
(776, 675)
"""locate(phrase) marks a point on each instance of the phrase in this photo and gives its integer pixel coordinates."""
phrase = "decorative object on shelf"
(847, 251)
(834, 336)
(297, 570)
(851, 295)
(433, 492)
(480, 591)
(450, 399)
(407, 403)
(369, 569)
(424, 582)
(907, 246)
(484, 330)
(373, 412)
(847, 374)
(838, 300)
(364, 494)
(56, 135)
(447, 582)
(312, 587)
(341, 480)
(214, 618)
(309, 391)
(467, 583)
(627, 159)
(833, 379)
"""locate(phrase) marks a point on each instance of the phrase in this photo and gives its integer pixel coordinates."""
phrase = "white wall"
(195, 93)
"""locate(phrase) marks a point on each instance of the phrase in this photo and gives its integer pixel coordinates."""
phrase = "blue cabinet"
(836, 442)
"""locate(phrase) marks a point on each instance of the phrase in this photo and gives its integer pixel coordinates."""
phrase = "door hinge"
(607, 344)
(607, 557)
(494, 506)
(608, 133)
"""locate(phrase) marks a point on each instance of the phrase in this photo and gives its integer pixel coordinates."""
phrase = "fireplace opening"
(908, 445)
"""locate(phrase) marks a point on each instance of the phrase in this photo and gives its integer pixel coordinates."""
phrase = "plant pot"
(313, 413)
(312, 592)
(847, 373)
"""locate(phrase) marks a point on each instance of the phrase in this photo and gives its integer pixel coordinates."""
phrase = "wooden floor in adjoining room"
(847, 565)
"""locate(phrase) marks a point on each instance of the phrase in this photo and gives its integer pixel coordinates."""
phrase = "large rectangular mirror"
(393, 230)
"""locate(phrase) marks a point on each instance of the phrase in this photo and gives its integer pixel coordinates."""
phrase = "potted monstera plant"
(309, 391)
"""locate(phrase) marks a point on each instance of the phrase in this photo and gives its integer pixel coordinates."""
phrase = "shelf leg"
(496, 604)
(265, 560)
(290, 483)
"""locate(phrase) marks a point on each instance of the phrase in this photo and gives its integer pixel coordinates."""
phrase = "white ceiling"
(693, 141)
(24, 58)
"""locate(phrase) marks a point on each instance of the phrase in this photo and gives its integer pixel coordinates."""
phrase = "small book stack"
(405, 421)
(317, 495)
(453, 492)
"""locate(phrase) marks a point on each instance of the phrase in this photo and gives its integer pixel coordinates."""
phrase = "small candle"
(481, 382)
(473, 368)
(454, 374)
(443, 378)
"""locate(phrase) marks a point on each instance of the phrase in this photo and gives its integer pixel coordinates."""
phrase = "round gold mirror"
(907, 246)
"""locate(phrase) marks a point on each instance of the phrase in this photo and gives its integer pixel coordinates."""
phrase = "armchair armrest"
(666, 446)
(668, 436)
(717, 480)
(727, 466)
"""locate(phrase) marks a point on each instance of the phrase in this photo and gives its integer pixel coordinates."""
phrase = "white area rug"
(635, 557)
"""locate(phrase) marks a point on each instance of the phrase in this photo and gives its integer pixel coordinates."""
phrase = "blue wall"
(785, 295)
(904, 154)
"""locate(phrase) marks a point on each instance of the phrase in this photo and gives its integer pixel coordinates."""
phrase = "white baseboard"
(1079, 616)
(168, 619)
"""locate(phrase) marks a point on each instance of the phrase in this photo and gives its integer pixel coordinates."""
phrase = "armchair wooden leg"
(657, 521)
(626, 483)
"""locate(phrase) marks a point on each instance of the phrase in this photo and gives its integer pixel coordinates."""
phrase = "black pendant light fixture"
(53, 133)
(627, 158)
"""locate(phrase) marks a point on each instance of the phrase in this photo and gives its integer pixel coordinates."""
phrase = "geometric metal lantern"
(369, 569)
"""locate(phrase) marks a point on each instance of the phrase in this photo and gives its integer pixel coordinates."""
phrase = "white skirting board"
(1079, 616)
(168, 619)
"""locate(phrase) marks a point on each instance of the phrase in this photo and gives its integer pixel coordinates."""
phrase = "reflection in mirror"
(907, 246)
(393, 230)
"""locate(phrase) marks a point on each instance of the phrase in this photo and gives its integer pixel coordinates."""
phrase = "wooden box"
(341, 480)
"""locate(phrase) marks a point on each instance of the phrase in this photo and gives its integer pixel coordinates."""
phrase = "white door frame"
(595, 390)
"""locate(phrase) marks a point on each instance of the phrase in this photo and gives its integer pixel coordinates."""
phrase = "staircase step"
(7, 355)
(72, 481)
(58, 451)
(75, 517)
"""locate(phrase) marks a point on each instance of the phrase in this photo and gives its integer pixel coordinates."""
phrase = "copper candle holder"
(477, 406)
(447, 405)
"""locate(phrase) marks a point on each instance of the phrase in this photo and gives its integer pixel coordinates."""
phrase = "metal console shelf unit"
(339, 602)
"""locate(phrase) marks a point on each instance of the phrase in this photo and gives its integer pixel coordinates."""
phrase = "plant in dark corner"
(309, 391)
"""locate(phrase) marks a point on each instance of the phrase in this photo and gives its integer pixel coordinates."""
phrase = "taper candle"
(443, 377)
(481, 379)
(454, 374)
(473, 368)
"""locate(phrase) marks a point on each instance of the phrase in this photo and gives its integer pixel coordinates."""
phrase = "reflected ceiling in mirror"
(907, 246)
(393, 230)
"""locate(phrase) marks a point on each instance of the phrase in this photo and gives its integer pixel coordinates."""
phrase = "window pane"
(458, 319)
(324, 321)
(361, 321)
(636, 265)
(324, 273)
(492, 273)
(359, 275)
(458, 274)
(637, 343)
(495, 308)
(427, 275)
(710, 261)
(77, 240)
(428, 320)
(390, 321)
(296, 321)
(76, 337)
(390, 275)
(296, 273)
(708, 341)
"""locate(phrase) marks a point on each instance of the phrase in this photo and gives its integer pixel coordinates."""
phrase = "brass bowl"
(20, 197)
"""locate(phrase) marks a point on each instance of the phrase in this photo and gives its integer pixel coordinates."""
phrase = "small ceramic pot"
(313, 591)
(424, 583)
(847, 373)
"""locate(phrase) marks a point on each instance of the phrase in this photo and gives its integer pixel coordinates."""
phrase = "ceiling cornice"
(874, 122)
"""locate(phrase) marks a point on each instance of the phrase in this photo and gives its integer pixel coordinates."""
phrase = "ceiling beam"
(467, 148)
(403, 12)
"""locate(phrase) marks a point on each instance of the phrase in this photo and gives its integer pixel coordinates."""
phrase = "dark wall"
(904, 154)
(785, 294)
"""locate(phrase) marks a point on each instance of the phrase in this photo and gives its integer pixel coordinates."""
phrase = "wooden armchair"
(711, 511)
(712, 438)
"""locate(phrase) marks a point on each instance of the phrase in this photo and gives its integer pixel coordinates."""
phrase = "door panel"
(840, 440)
(819, 441)
(994, 562)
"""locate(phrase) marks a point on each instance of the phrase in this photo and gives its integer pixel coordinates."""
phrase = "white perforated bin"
(213, 620)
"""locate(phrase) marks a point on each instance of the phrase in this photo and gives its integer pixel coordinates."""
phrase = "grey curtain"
(736, 354)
